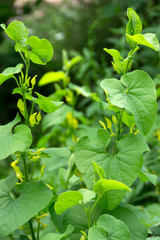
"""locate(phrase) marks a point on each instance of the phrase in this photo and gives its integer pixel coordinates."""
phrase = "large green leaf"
(66, 200)
(108, 227)
(17, 31)
(123, 167)
(14, 212)
(46, 104)
(147, 39)
(137, 229)
(42, 50)
(13, 139)
(134, 25)
(57, 236)
(134, 92)
(9, 72)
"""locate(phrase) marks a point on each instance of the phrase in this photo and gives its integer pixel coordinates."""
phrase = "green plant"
(100, 171)
(117, 152)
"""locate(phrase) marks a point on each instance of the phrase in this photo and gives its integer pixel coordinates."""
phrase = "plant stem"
(25, 109)
(38, 229)
(89, 214)
(17, 82)
(34, 167)
(25, 167)
(27, 179)
(31, 228)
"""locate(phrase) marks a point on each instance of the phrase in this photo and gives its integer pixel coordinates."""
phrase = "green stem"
(38, 230)
(32, 107)
(25, 167)
(27, 69)
(22, 56)
(25, 108)
(31, 228)
(17, 82)
(118, 132)
(34, 167)
(27, 179)
(89, 214)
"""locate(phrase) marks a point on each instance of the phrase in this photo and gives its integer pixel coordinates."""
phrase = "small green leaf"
(66, 200)
(147, 39)
(9, 72)
(136, 93)
(108, 227)
(46, 104)
(51, 77)
(14, 138)
(17, 31)
(104, 185)
(84, 90)
(14, 212)
(145, 176)
(57, 236)
(87, 195)
(134, 25)
(42, 50)
(118, 60)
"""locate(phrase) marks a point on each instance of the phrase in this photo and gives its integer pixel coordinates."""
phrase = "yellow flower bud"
(20, 105)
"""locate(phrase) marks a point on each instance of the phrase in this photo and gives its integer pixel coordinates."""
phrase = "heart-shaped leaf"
(13, 139)
(42, 50)
(17, 31)
(123, 167)
(66, 200)
(9, 72)
(135, 92)
(14, 212)
(108, 227)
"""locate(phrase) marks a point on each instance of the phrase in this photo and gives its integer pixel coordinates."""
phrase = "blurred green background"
(81, 27)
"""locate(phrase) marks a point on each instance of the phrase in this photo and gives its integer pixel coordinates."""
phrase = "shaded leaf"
(14, 138)
(137, 229)
(56, 236)
(46, 104)
(14, 212)
(145, 176)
